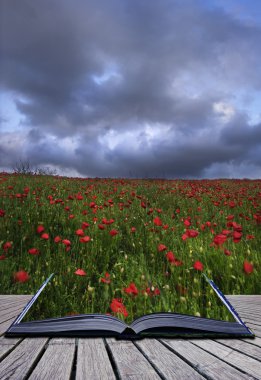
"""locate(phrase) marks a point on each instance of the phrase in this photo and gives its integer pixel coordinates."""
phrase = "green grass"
(160, 212)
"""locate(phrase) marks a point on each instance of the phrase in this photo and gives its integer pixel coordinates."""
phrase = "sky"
(132, 88)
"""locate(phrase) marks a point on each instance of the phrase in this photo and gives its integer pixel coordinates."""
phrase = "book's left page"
(60, 299)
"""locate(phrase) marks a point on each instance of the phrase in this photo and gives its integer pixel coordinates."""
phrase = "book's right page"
(216, 317)
(196, 298)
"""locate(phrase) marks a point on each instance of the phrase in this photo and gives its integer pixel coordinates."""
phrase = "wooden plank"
(11, 315)
(247, 308)
(246, 301)
(208, 365)
(57, 361)
(254, 320)
(9, 305)
(13, 305)
(243, 304)
(250, 314)
(248, 298)
(169, 365)
(130, 362)
(244, 296)
(7, 345)
(14, 300)
(250, 320)
(5, 325)
(251, 310)
(230, 356)
(256, 341)
(93, 361)
(242, 346)
(18, 364)
(7, 313)
(256, 329)
(15, 296)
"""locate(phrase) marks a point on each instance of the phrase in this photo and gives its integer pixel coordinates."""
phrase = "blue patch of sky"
(10, 116)
(245, 10)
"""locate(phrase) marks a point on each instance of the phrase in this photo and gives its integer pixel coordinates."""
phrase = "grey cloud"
(240, 133)
(166, 62)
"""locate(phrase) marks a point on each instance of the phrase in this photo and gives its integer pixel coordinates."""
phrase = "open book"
(164, 324)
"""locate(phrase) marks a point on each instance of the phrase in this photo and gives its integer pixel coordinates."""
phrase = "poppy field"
(129, 247)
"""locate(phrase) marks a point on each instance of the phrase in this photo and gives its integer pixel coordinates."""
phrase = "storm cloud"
(167, 88)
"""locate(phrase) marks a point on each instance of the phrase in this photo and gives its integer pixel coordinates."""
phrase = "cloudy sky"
(132, 88)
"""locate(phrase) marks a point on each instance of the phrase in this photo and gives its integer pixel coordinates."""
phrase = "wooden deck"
(85, 358)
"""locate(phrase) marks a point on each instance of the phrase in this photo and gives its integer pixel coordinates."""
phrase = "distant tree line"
(25, 167)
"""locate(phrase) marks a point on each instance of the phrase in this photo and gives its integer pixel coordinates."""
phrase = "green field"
(129, 247)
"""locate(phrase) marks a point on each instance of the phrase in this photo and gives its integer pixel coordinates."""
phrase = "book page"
(195, 298)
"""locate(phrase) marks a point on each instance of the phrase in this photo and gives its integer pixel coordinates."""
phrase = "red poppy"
(192, 233)
(248, 267)
(7, 246)
(33, 251)
(2, 213)
(21, 276)
(177, 263)
(198, 265)
(157, 221)
(189, 234)
(173, 260)
(45, 236)
(187, 223)
(114, 232)
(237, 236)
(236, 227)
(219, 239)
(131, 289)
(80, 272)
(133, 229)
(226, 232)
(161, 247)
(85, 225)
(230, 217)
(118, 307)
(227, 252)
(232, 204)
(79, 232)
(101, 226)
(57, 239)
(143, 205)
(85, 239)
(170, 257)
(2, 257)
(106, 278)
(40, 229)
(66, 242)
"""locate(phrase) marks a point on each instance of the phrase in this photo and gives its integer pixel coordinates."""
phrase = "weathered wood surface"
(98, 358)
